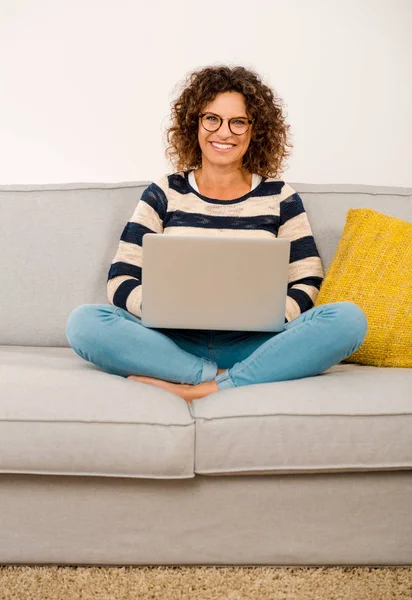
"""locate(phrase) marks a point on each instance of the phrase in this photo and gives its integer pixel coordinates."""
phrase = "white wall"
(86, 85)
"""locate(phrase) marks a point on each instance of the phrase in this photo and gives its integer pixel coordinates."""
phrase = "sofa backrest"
(57, 242)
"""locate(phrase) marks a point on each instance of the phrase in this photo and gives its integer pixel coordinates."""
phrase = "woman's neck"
(223, 183)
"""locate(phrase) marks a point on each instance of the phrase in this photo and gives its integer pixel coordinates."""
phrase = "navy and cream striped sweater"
(173, 206)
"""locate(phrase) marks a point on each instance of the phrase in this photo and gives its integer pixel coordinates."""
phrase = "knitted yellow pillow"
(372, 267)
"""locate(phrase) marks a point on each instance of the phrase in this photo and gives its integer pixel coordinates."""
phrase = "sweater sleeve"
(124, 281)
(306, 272)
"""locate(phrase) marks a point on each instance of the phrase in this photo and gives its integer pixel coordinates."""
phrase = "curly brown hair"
(267, 148)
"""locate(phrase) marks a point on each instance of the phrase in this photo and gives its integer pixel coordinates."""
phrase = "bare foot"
(185, 390)
(220, 371)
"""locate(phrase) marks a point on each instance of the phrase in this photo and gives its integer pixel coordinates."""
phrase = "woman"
(229, 137)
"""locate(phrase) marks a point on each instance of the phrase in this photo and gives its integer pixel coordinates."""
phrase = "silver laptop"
(219, 282)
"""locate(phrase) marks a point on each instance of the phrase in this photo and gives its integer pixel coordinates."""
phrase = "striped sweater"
(174, 206)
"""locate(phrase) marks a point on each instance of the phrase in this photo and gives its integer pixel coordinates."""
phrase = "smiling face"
(227, 105)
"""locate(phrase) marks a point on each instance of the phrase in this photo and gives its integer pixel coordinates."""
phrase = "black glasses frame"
(201, 115)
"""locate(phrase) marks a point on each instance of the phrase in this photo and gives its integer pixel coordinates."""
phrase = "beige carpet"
(205, 583)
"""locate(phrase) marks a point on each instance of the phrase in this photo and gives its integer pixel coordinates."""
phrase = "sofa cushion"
(62, 415)
(349, 418)
(372, 267)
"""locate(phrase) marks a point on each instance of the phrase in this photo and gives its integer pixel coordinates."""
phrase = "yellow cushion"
(372, 267)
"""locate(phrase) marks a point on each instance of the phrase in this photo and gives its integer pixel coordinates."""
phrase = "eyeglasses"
(237, 125)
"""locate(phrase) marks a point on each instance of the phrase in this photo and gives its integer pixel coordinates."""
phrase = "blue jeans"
(117, 342)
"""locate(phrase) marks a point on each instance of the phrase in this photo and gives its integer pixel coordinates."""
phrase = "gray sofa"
(96, 469)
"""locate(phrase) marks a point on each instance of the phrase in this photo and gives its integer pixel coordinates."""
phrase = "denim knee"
(352, 318)
(79, 322)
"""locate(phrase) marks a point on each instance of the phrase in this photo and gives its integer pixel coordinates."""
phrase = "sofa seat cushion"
(62, 415)
(349, 418)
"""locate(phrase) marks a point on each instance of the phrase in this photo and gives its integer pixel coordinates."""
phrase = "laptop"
(214, 282)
